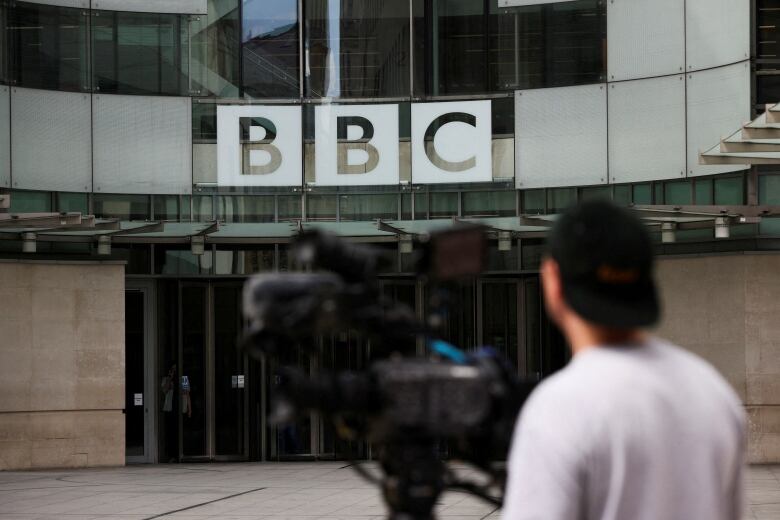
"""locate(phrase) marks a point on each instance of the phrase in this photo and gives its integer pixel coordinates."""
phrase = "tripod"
(415, 478)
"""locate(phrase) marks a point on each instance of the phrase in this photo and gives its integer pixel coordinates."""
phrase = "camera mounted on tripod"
(405, 406)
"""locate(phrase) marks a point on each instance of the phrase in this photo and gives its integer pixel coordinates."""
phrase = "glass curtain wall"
(475, 46)
(214, 60)
(269, 48)
(48, 47)
(140, 53)
(356, 49)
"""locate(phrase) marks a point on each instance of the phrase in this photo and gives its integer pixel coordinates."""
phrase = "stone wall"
(61, 364)
(727, 309)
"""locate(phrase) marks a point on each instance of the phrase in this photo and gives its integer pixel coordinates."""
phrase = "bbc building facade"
(172, 148)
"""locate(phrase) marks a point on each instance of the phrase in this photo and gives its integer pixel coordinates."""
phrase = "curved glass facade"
(312, 52)
(260, 49)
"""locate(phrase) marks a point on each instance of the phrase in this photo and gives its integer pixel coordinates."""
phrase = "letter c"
(430, 134)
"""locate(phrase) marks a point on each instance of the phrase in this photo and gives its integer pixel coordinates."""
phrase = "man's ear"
(552, 288)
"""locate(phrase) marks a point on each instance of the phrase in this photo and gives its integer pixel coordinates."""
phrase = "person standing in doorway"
(170, 433)
(634, 428)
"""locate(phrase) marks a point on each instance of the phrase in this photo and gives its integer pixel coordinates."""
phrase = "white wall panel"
(83, 4)
(645, 38)
(143, 144)
(51, 144)
(561, 136)
(717, 32)
(718, 104)
(153, 6)
(5, 137)
(647, 129)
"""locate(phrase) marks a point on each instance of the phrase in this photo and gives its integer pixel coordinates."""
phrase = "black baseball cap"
(605, 259)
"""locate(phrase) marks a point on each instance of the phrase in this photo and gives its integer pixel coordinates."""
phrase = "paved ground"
(292, 491)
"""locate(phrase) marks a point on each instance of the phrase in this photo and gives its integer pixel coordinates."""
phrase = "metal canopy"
(75, 228)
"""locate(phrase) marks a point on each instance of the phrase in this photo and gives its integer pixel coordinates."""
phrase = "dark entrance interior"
(221, 397)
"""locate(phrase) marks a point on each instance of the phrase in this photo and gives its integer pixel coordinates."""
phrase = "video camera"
(405, 406)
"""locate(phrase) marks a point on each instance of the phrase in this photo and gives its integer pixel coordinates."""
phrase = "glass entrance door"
(193, 370)
(213, 377)
(230, 375)
(135, 418)
(499, 324)
(139, 373)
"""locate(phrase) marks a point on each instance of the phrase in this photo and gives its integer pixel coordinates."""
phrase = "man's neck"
(584, 336)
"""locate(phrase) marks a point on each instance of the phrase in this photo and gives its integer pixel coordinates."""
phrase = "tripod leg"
(414, 480)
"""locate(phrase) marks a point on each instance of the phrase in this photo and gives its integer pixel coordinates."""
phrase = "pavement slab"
(240, 491)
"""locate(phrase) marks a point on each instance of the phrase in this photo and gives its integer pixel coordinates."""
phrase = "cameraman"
(634, 428)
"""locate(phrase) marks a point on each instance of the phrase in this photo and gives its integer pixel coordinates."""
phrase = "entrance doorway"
(213, 378)
(139, 374)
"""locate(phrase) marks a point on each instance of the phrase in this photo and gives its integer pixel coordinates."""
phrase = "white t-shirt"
(642, 432)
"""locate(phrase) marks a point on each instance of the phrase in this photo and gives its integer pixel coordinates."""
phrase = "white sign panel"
(138, 399)
(240, 381)
(356, 145)
(259, 145)
(451, 142)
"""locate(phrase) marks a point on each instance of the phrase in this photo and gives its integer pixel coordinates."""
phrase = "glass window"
(643, 194)
(269, 47)
(503, 115)
(289, 207)
(321, 207)
(186, 208)
(123, 207)
(246, 209)
(703, 191)
(202, 208)
(622, 194)
(489, 204)
(532, 252)
(767, 86)
(730, 190)
(421, 206)
(368, 207)
(75, 202)
(30, 202)
(533, 201)
(140, 53)
(166, 207)
(459, 53)
(48, 47)
(596, 192)
(3, 43)
(678, 192)
(546, 45)
(179, 260)
(769, 190)
(357, 49)
(204, 122)
(444, 205)
(658, 193)
(215, 46)
(558, 199)
(137, 256)
(244, 261)
(406, 206)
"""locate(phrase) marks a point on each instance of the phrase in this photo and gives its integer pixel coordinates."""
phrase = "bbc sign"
(354, 145)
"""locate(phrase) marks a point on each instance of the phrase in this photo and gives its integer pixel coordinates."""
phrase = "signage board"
(259, 145)
(354, 145)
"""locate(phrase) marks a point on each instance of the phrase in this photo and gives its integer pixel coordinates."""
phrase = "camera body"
(406, 406)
